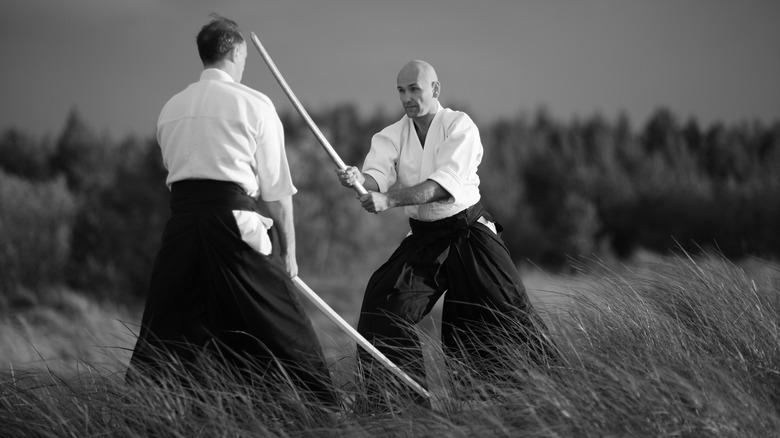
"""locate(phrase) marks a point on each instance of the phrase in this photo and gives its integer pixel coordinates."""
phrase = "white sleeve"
(273, 171)
(382, 159)
(457, 157)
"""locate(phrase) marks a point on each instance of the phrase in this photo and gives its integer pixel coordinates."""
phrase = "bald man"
(430, 159)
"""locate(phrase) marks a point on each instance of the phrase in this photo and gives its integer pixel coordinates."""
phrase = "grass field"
(675, 347)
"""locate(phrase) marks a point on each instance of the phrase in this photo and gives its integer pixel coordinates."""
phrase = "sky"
(118, 61)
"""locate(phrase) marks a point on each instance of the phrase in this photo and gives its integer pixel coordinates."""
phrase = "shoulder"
(253, 96)
(178, 102)
(397, 126)
(459, 120)
(392, 132)
(255, 106)
(183, 95)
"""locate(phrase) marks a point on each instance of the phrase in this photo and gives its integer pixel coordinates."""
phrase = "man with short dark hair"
(427, 163)
(217, 288)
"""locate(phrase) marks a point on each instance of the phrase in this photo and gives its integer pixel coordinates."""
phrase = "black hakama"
(212, 293)
(485, 299)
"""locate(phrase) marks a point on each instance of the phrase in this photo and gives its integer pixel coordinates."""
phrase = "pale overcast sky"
(118, 61)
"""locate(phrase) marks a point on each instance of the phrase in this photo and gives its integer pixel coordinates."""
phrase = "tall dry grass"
(680, 347)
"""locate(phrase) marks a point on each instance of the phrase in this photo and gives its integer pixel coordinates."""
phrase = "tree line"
(87, 211)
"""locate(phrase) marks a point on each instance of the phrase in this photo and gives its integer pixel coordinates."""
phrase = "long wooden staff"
(357, 337)
(322, 305)
(302, 111)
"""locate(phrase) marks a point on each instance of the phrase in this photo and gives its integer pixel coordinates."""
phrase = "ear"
(232, 55)
(436, 89)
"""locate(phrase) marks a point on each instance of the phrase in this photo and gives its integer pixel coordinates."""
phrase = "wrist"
(392, 199)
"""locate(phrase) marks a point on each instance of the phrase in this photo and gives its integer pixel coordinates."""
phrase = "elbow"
(439, 193)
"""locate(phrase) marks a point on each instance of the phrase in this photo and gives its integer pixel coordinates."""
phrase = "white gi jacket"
(452, 153)
(222, 130)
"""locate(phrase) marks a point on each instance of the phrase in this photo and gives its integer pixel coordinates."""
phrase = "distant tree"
(117, 231)
(35, 225)
(662, 135)
(768, 148)
(725, 155)
(559, 189)
(25, 156)
(85, 160)
(566, 221)
(609, 182)
(507, 145)
(692, 135)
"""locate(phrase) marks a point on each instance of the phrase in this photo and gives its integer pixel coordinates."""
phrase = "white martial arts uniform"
(451, 155)
(197, 132)
(209, 294)
(454, 247)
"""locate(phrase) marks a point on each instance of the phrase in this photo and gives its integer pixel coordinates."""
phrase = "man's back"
(213, 128)
(215, 291)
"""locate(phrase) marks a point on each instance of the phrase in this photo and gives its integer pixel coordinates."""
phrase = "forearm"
(281, 212)
(423, 193)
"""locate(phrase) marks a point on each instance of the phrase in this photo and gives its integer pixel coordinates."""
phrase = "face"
(240, 60)
(418, 93)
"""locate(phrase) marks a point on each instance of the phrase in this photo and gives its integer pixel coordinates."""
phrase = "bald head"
(416, 70)
(419, 89)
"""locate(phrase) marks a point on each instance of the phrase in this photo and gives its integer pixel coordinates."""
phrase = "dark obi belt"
(195, 195)
(455, 225)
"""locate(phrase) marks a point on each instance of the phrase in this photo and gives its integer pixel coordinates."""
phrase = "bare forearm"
(281, 212)
(423, 193)
(376, 202)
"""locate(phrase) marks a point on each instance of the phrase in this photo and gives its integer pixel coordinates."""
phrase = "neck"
(423, 122)
(224, 66)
